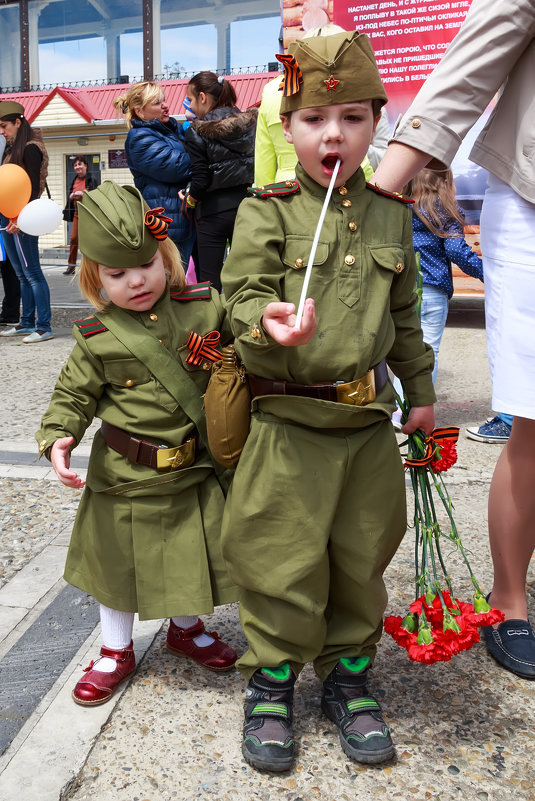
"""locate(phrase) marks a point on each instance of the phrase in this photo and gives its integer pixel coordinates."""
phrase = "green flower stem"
(437, 531)
(428, 525)
(420, 563)
(454, 535)
(427, 528)
(428, 532)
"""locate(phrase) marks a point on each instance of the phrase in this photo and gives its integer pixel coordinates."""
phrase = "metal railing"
(165, 76)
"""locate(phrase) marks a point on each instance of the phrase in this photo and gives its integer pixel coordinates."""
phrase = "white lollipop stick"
(315, 245)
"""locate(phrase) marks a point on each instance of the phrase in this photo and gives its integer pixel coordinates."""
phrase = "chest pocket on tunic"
(390, 259)
(131, 373)
(126, 372)
(295, 257)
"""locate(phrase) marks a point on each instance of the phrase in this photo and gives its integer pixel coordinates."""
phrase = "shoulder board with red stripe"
(392, 195)
(90, 326)
(280, 189)
(192, 292)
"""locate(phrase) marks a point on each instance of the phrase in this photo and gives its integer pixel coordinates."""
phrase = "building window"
(10, 75)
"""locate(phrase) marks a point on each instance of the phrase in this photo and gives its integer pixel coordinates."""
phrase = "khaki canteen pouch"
(227, 404)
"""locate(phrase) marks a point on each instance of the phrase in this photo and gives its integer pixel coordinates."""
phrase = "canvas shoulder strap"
(167, 370)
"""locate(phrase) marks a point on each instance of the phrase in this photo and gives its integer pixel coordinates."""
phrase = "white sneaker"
(16, 331)
(494, 429)
(35, 336)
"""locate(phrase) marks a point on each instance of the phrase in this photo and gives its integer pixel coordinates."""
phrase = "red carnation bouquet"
(438, 625)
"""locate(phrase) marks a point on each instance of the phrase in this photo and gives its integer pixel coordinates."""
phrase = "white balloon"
(41, 216)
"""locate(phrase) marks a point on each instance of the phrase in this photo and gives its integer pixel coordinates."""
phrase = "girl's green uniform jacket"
(143, 540)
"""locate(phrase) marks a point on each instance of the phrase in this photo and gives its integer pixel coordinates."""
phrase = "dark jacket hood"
(226, 124)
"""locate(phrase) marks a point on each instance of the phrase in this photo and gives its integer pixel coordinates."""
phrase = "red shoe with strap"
(217, 656)
(96, 687)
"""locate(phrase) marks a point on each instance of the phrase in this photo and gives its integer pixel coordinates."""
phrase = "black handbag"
(68, 213)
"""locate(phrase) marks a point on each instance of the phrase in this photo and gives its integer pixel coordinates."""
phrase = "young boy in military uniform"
(317, 507)
(146, 537)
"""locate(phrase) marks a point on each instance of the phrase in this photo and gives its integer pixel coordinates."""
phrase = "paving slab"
(462, 729)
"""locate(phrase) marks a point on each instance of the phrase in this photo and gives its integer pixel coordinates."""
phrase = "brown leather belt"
(356, 393)
(140, 451)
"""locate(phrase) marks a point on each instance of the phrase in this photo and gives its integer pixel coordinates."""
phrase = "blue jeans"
(185, 247)
(507, 418)
(435, 304)
(34, 291)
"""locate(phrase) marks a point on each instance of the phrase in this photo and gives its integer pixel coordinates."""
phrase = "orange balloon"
(15, 189)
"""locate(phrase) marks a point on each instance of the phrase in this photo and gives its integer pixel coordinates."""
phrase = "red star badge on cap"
(331, 83)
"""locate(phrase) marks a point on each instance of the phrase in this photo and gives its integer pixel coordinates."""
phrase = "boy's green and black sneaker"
(268, 742)
(364, 735)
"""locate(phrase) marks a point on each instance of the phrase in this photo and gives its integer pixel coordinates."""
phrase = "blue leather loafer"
(512, 645)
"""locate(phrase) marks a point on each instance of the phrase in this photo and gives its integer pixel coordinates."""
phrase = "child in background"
(146, 537)
(438, 236)
(188, 113)
(317, 506)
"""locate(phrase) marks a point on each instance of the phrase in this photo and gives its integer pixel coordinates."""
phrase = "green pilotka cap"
(325, 70)
(8, 107)
(111, 226)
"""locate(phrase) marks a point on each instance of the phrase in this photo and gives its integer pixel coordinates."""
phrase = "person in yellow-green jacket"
(317, 505)
(146, 537)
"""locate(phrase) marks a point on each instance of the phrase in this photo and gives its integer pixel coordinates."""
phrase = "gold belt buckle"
(358, 392)
(176, 458)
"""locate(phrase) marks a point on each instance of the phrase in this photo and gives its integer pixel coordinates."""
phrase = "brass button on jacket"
(299, 264)
(416, 123)
(349, 259)
(347, 203)
(256, 333)
(399, 267)
(342, 190)
(153, 317)
(129, 382)
(352, 226)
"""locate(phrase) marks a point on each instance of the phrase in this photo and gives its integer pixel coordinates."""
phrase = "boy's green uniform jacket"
(163, 527)
(363, 282)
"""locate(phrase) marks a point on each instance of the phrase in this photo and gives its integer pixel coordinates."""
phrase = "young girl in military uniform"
(146, 535)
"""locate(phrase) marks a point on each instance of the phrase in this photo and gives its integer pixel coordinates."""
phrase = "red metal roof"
(96, 102)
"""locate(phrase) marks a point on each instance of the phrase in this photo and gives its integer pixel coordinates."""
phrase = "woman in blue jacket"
(156, 157)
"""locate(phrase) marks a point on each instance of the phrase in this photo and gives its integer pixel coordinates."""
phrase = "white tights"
(116, 628)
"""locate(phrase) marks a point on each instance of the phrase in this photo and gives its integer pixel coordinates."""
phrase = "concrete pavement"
(463, 730)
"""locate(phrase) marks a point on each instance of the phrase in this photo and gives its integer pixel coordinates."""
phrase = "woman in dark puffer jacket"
(220, 144)
(157, 158)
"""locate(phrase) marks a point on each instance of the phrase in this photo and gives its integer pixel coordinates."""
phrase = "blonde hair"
(137, 96)
(89, 278)
(433, 192)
